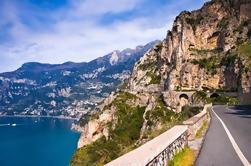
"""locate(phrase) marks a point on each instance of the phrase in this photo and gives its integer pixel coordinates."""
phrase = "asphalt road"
(217, 149)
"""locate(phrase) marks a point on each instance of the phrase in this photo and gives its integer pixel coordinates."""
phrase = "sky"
(57, 31)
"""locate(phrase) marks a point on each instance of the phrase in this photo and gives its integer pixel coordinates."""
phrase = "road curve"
(217, 149)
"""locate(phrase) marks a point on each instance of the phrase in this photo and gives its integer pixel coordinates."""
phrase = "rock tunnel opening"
(184, 99)
(185, 96)
(214, 95)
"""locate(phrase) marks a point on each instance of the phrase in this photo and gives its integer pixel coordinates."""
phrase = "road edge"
(203, 136)
(235, 146)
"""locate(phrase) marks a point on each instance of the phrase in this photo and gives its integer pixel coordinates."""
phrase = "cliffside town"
(66, 90)
(206, 57)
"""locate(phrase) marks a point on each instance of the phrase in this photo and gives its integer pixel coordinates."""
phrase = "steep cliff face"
(201, 52)
(206, 50)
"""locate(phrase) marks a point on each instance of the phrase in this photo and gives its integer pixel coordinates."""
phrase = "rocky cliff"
(208, 51)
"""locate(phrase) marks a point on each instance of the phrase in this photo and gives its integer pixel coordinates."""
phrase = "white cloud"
(97, 7)
(75, 33)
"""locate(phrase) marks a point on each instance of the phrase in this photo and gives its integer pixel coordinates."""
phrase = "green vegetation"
(158, 47)
(178, 88)
(185, 157)
(166, 117)
(201, 96)
(209, 64)
(222, 100)
(218, 59)
(160, 113)
(175, 28)
(125, 136)
(121, 139)
(190, 111)
(206, 51)
(84, 120)
(245, 53)
(194, 22)
(148, 65)
(226, 89)
(155, 79)
(202, 129)
(223, 23)
(245, 23)
(229, 60)
(245, 50)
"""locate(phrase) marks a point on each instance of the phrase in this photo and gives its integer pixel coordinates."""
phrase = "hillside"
(204, 57)
(69, 89)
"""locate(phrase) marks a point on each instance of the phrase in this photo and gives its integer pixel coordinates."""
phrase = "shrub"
(121, 139)
(244, 51)
(155, 79)
(222, 100)
(125, 136)
(158, 47)
(161, 114)
(228, 60)
(209, 64)
(189, 111)
(185, 157)
(200, 96)
(149, 65)
(194, 22)
(84, 120)
(226, 89)
(223, 23)
(202, 129)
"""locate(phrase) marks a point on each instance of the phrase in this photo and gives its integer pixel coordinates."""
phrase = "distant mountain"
(69, 89)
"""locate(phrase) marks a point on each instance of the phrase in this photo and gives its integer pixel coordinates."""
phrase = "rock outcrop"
(207, 50)
(201, 52)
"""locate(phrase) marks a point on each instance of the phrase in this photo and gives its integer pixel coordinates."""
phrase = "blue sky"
(56, 31)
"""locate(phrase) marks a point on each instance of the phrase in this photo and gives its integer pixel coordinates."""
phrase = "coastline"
(38, 116)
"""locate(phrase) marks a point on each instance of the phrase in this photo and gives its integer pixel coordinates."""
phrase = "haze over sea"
(36, 141)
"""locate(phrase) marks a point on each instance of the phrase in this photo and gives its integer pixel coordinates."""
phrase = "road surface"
(229, 145)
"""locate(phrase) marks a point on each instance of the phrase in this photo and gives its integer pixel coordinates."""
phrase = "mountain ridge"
(68, 89)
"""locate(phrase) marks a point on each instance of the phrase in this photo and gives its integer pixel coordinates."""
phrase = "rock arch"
(184, 99)
(214, 95)
(183, 95)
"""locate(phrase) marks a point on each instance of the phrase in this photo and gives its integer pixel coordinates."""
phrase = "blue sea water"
(36, 141)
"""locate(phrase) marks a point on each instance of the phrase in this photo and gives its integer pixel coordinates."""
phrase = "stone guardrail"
(161, 149)
(157, 151)
(195, 123)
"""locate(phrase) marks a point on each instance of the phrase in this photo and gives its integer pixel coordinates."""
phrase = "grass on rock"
(202, 129)
(121, 139)
(185, 157)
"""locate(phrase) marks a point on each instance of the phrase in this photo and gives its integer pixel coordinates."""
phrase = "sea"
(36, 141)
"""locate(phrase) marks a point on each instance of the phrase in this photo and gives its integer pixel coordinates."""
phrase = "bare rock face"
(245, 12)
(145, 76)
(96, 128)
(195, 53)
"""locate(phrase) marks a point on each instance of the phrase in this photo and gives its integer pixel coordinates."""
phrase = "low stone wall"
(195, 123)
(160, 150)
(157, 151)
(167, 154)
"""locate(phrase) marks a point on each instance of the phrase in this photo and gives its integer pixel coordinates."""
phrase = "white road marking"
(243, 159)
